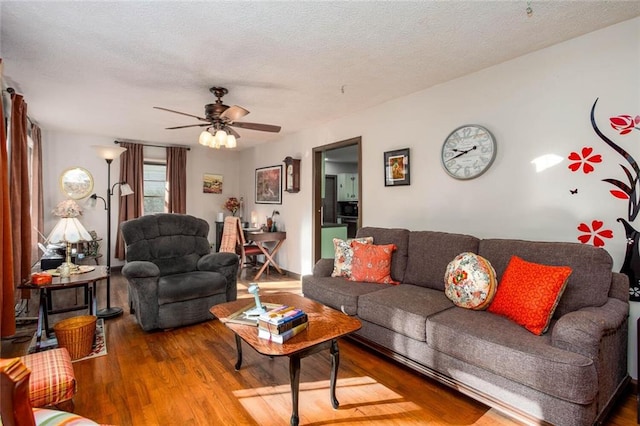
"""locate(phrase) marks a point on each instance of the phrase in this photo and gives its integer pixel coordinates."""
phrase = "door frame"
(317, 189)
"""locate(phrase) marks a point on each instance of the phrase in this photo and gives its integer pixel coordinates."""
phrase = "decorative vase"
(269, 224)
(631, 264)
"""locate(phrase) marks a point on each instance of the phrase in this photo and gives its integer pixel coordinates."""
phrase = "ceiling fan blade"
(233, 132)
(190, 125)
(234, 113)
(182, 113)
(256, 126)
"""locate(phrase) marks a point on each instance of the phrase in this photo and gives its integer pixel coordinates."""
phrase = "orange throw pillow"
(372, 263)
(528, 293)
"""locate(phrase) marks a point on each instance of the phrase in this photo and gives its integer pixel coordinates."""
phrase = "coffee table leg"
(294, 377)
(239, 349)
(335, 362)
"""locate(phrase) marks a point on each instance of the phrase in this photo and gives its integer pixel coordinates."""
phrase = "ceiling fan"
(220, 118)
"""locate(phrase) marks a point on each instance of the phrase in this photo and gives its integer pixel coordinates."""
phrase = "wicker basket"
(76, 334)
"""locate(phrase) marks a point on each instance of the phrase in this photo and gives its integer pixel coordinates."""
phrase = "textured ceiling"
(100, 67)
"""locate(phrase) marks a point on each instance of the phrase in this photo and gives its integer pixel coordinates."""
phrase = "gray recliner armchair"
(173, 278)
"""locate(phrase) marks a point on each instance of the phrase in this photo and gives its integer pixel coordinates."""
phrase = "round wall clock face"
(468, 152)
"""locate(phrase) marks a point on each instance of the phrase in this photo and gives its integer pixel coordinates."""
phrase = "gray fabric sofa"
(568, 376)
(173, 278)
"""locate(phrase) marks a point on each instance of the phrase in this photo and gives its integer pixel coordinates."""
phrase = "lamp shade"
(125, 190)
(109, 152)
(69, 230)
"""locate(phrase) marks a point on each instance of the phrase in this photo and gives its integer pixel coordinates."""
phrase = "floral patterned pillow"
(371, 263)
(470, 281)
(528, 293)
(344, 255)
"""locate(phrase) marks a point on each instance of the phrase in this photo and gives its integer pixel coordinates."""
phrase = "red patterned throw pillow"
(528, 293)
(372, 263)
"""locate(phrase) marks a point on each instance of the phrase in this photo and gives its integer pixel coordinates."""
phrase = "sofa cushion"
(529, 292)
(372, 263)
(403, 308)
(589, 282)
(498, 345)
(429, 254)
(470, 281)
(343, 256)
(338, 293)
(188, 286)
(399, 237)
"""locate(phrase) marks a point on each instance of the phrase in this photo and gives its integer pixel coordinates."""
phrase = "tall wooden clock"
(292, 175)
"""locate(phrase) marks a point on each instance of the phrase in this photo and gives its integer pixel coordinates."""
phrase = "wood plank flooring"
(186, 377)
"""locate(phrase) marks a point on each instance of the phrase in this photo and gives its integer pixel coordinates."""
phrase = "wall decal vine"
(626, 190)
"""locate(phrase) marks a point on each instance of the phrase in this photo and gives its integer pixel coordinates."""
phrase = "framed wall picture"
(269, 185)
(212, 184)
(396, 168)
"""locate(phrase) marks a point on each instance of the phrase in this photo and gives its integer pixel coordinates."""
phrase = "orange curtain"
(20, 195)
(177, 180)
(7, 294)
(131, 172)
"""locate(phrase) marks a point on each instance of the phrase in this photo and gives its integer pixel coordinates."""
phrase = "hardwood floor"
(186, 376)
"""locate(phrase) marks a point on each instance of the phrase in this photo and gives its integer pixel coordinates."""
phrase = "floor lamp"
(109, 153)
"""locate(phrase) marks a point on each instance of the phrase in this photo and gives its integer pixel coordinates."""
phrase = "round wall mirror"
(76, 183)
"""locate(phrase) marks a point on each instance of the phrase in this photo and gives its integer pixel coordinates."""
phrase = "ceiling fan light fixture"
(205, 138)
(231, 141)
(221, 137)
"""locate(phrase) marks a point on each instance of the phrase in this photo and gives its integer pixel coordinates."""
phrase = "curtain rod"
(155, 145)
(11, 91)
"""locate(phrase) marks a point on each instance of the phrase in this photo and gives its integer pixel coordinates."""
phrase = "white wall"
(534, 105)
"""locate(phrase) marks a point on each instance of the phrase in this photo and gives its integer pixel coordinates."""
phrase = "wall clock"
(468, 151)
(292, 175)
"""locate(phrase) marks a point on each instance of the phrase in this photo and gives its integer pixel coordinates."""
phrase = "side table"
(87, 280)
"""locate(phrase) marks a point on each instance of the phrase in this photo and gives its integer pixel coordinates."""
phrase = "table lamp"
(68, 230)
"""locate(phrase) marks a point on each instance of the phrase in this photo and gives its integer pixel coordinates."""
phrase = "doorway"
(342, 159)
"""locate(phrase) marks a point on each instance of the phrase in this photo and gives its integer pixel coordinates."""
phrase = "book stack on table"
(281, 324)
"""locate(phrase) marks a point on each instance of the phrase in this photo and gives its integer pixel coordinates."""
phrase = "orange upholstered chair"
(15, 406)
(53, 382)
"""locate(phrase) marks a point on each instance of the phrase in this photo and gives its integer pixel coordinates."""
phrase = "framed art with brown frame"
(396, 168)
(269, 185)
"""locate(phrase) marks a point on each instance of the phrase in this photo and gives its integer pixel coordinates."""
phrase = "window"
(155, 175)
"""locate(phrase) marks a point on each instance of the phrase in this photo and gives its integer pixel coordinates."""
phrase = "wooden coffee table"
(326, 325)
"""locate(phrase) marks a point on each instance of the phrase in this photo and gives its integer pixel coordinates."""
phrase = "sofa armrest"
(140, 269)
(600, 333)
(619, 286)
(582, 331)
(323, 268)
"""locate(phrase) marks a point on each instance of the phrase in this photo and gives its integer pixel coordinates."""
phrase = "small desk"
(87, 280)
(259, 238)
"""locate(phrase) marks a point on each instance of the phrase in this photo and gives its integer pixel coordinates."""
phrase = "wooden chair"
(15, 406)
(233, 241)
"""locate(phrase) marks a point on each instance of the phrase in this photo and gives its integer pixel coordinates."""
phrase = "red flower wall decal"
(595, 232)
(625, 123)
(584, 160)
